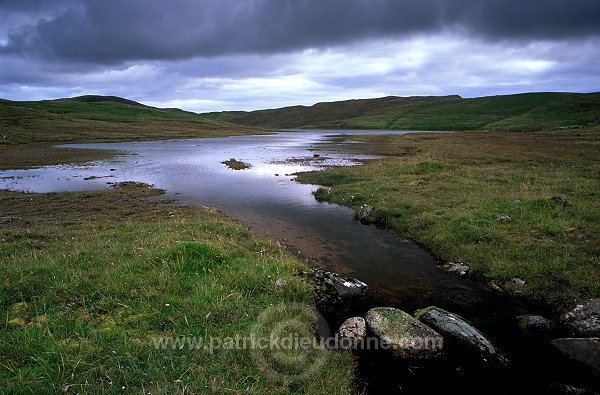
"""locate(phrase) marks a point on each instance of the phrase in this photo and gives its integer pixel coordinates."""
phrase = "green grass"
(522, 112)
(95, 287)
(444, 190)
(102, 119)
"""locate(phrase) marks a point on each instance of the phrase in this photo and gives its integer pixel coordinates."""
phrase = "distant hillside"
(102, 118)
(530, 112)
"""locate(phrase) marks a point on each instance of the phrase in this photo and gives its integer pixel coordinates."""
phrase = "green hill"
(102, 118)
(530, 112)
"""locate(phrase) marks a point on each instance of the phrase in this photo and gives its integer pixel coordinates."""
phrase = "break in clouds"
(52, 44)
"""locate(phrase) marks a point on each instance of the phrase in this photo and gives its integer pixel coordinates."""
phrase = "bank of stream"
(266, 197)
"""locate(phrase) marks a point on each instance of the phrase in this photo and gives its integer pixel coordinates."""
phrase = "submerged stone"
(405, 336)
(457, 332)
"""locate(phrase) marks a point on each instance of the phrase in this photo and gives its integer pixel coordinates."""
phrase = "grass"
(101, 290)
(444, 190)
(522, 112)
(103, 119)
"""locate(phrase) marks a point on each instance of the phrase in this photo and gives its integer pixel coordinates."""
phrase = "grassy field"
(445, 190)
(522, 112)
(95, 287)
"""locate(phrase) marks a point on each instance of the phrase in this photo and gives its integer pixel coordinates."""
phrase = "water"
(267, 198)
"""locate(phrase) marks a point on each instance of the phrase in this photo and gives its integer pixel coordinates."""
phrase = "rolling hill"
(521, 112)
(102, 118)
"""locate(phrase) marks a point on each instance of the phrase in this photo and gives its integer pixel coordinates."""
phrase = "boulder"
(583, 350)
(458, 333)
(405, 336)
(584, 319)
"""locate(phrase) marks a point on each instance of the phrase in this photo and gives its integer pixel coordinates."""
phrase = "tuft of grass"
(111, 292)
(445, 190)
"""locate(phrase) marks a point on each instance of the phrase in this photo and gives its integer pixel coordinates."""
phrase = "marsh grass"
(90, 280)
(444, 191)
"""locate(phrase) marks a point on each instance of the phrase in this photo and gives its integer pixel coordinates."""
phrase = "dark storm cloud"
(95, 31)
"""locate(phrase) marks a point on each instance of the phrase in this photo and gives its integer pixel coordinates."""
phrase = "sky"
(217, 55)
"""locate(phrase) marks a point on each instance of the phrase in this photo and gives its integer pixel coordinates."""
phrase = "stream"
(267, 198)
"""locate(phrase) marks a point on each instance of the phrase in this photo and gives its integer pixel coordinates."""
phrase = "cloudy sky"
(212, 55)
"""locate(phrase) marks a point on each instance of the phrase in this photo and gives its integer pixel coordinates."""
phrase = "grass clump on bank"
(93, 282)
(492, 200)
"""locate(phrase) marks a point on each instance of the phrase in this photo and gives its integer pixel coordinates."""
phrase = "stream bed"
(266, 197)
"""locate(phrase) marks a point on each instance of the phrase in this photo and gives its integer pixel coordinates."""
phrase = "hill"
(529, 112)
(102, 118)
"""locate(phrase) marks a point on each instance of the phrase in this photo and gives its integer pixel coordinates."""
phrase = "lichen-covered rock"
(463, 336)
(405, 336)
(583, 350)
(584, 319)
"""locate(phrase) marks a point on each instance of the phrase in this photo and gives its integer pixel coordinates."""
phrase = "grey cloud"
(93, 31)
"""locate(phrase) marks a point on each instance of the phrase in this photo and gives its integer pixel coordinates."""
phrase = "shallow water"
(266, 198)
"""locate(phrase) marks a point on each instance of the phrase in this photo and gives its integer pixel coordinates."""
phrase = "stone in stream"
(331, 288)
(352, 332)
(406, 337)
(462, 336)
(584, 319)
(535, 325)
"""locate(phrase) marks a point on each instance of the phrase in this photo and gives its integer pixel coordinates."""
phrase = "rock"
(404, 335)
(584, 319)
(331, 289)
(462, 269)
(500, 217)
(534, 325)
(353, 328)
(280, 283)
(462, 336)
(352, 332)
(583, 350)
(516, 201)
(345, 286)
(364, 213)
(564, 389)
